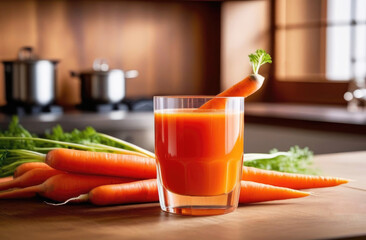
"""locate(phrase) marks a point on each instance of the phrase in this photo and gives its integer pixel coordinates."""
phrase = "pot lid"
(101, 67)
(27, 55)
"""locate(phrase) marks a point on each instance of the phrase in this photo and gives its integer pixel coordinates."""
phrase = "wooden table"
(338, 212)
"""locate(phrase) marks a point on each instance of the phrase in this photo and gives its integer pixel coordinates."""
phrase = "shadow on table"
(38, 210)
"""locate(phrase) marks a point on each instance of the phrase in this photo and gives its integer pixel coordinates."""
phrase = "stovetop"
(18, 109)
(131, 105)
(127, 105)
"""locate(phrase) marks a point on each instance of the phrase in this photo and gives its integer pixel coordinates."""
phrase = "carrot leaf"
(295, 160)
(259, 58)
(17, 144)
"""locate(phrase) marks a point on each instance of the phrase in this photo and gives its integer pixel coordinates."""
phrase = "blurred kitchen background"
(314, 94)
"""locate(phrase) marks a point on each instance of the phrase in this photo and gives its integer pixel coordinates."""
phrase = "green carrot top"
(259, 58)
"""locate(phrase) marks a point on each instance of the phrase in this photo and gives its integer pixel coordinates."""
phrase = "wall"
(245, 28)
(175, 46)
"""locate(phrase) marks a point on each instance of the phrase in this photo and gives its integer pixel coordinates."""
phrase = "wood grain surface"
(338, 212)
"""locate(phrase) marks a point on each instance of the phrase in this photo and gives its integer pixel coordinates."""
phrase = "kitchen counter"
(338, 212)
(273, 113)
(324, 129)
(318, 117)
(109, 121)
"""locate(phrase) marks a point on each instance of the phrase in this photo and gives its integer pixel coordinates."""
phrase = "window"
(346, 40)
(320, 39)
(320, 44)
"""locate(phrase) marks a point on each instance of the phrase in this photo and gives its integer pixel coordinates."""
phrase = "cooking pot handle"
(100, 64)
(25, 53)
(131, 74)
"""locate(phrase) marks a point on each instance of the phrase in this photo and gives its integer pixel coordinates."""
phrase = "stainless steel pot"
(29, 80)
(102, 85)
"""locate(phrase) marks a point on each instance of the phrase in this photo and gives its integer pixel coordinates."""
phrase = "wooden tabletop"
(338, 212)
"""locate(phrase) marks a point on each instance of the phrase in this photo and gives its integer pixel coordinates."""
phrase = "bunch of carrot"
(108, 178)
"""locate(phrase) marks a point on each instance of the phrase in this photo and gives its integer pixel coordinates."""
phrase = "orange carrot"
(63, 186)
(244, 88)
(6, 179)
(32, 177)
(101, 163)
(147, 191)
(133, 192)
(252, 192)
(25, 167)
(289, 180)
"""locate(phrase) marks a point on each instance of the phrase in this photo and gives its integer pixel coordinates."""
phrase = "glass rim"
(195, 96)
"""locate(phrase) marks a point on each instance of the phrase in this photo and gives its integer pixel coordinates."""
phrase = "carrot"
(25, 167)
(133, 192)
(147, 191)
(252, 192)
(245, 87)
(6, 179)
(101, 163)
(63, 186)
(32, 177)
(289, 180)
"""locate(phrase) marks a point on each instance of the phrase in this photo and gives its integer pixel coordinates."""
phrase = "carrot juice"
(199, 152)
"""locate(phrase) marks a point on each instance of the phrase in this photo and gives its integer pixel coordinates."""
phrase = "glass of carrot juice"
(199, 143)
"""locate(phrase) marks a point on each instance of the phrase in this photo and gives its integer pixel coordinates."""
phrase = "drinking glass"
(199, 153)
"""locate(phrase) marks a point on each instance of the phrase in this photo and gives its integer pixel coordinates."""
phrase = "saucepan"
(102, 85)
(29, 80)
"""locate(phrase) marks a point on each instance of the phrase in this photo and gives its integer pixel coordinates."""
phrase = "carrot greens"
(259, 58)
(18, 145)
(295, 160)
